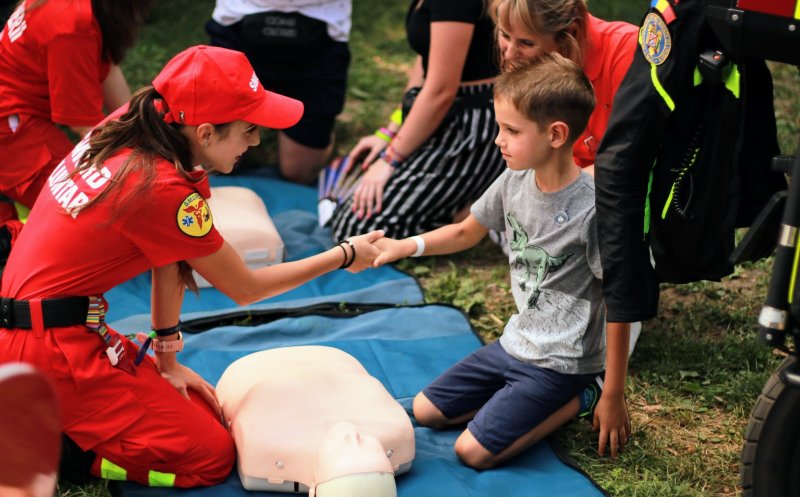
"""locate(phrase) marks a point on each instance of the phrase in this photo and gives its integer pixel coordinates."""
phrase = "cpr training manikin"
(311, 418)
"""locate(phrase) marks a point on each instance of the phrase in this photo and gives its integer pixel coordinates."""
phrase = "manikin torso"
(301, 416)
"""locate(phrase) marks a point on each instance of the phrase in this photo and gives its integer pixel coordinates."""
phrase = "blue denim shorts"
(511, 397)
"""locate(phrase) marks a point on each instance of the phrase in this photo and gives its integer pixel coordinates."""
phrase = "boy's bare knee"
(472, 453)
(426, 413)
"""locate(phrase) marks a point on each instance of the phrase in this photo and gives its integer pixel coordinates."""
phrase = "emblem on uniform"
(194, 216)
(655, 39)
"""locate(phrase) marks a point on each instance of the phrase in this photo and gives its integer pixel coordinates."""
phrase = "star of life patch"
(194, 217)
(655, 39)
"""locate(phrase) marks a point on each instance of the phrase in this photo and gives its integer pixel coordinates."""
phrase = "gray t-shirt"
(555, 271)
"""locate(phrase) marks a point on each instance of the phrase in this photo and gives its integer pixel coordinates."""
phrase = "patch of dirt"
(744, 281)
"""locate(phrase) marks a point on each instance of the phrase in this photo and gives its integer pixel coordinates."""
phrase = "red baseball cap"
(215, 85)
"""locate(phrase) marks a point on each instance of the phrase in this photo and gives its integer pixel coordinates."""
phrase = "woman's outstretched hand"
(366, 251)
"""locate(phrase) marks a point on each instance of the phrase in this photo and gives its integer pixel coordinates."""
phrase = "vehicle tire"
(771, 455)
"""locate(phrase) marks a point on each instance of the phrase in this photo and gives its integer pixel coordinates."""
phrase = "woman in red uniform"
(59, 65)
(528, 28)
(130, 197)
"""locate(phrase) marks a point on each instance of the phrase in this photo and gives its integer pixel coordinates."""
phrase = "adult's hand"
(367, 148)
(368, 197)
(184, 379)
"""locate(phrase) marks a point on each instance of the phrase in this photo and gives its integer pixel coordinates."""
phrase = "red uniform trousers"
(140, 427)
(27, 157)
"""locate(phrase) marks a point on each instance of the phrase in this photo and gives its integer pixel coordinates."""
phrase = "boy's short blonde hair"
(548, 89)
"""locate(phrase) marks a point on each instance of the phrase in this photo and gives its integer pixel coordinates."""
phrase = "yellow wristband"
(397, 116)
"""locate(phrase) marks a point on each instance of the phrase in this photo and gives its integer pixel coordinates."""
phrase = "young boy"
(519, 389)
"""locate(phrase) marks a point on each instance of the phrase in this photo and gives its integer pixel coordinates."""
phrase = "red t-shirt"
(63, 253)
(51, 63)
(609, 52)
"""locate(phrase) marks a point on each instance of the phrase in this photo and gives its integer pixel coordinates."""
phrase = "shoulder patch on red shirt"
(194, 217)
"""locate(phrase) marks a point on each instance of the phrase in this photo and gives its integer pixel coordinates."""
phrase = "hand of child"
(368, 197)
(366, 251)
(369, 147)
(392, 250)
(611, 418)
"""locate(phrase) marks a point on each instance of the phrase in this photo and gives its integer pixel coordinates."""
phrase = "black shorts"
(320, 82)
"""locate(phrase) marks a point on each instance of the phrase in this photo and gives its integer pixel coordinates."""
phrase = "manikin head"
(352, 464)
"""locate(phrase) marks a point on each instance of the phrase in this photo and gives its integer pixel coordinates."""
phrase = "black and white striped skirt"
(444, 175)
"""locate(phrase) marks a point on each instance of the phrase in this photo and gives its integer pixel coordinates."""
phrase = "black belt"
(66, 311)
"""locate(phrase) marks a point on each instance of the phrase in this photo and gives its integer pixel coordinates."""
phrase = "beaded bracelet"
(392, 162)
(392, 157)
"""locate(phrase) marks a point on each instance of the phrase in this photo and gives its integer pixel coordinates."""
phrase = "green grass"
(96, 489)
(697, 369)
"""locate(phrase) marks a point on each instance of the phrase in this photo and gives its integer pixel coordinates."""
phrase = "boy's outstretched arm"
(611, 414)
(445, 240)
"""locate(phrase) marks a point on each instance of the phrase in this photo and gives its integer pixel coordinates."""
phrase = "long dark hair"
(141, 128)
(119, 22)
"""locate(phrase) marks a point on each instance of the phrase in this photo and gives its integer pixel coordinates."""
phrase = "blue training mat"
(405, 348)
(293, 210)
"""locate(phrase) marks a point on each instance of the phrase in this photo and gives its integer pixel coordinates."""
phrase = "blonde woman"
(528, 28)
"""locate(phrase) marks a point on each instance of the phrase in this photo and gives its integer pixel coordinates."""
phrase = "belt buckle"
(6, 310)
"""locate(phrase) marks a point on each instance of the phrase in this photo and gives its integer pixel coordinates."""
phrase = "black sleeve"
(643, 103)
(456, 10)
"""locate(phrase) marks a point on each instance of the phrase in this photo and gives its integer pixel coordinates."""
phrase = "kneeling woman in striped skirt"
(443, 155)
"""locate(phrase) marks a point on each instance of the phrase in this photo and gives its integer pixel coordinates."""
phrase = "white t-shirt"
(336, 13)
